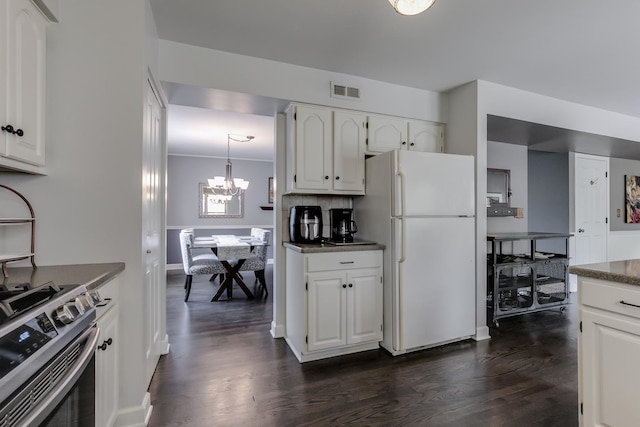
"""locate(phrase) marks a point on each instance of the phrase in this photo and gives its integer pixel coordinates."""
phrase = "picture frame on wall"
(632, 199)
(270, 191)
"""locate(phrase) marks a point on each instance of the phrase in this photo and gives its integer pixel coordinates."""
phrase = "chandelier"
(226, 186)
(411, 7)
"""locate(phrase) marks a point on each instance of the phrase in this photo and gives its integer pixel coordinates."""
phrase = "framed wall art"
(632, 199)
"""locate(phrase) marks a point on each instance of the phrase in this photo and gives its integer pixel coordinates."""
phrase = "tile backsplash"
(325, 202)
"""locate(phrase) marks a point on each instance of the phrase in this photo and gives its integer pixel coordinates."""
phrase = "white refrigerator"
(421, 206)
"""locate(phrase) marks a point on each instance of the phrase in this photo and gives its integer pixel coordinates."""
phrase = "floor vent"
(342, 91)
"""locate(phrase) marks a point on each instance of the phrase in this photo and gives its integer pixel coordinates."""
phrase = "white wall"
(89, 206)
(228, 71)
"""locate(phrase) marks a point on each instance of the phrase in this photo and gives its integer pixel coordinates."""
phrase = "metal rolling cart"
(525, 283)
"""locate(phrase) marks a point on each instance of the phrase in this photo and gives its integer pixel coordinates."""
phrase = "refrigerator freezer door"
(435, 269)
(433, 184)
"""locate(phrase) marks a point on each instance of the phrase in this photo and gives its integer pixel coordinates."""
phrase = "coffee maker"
(342, 226)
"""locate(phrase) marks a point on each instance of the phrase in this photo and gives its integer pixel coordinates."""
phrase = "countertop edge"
(605, 275)
(90, 275)
(310, 249)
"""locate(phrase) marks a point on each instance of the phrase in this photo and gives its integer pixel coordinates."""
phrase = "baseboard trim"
(137, 416)
(277, 331)
(482, 334)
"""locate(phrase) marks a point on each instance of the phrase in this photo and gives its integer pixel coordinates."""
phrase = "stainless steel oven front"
(48, 339)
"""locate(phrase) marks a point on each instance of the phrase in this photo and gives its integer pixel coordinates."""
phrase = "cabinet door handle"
(404, 142)
(344, 285)
(412, 144)
(337, 177)
(326, 177)
(580, 230)
(9, 128)
(351, 285)
(629, 304)
(346, 262)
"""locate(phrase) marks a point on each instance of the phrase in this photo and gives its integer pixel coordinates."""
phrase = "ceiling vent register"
(342, 91)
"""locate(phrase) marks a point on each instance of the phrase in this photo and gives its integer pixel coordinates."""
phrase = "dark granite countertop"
(627, 271)
(321, 247)
(90, 275)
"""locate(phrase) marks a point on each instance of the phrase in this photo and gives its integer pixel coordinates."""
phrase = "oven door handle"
(41, 411)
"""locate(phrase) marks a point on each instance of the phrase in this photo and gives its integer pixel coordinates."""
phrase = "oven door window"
(78, 406)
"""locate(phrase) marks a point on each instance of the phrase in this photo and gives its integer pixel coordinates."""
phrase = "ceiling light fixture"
(411, 7)
(226, 185)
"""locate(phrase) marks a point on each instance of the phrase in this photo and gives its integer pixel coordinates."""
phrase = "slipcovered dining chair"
(258, 259)
(200, 264)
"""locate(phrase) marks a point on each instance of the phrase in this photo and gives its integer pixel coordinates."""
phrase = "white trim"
(136, 416)
(482, 334)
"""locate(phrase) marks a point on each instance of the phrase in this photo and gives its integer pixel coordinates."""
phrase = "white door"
(610, 352)
(313, 148)
(591, 210)
(152, 240)
(364, 310)
(434, 184)
(436, 271)
(26, 82)
(349, 135)
(386, 134)
(426, 136)
(326, 303)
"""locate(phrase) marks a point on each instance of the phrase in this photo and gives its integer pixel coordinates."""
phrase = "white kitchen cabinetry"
(609, 350)
(334, 303)
(392, 133)
(107, 369)
(325, 151)
(22, 86)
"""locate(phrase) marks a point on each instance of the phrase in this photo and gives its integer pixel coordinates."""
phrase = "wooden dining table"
(230, 248)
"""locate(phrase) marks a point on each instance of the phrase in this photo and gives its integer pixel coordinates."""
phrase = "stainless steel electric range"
(48, 339)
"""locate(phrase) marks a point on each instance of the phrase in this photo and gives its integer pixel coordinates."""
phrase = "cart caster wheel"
(496, 324)
(563, 312)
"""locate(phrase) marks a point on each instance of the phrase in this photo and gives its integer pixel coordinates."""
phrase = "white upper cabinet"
(349, 138)
(386, 134)
(22, 117)
(323, 156)
(425, 136)
(392, 133)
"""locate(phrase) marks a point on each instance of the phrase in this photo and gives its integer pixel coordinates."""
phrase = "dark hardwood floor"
(225, 369)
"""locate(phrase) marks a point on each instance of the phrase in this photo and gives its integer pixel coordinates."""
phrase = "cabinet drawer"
(618, 298)
(343, 260)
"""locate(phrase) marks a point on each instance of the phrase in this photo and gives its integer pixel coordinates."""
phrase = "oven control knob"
(64, 314)
(95, 296)
(86, 300)
(79, 304)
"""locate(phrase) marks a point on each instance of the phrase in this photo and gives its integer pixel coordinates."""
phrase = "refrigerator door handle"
(400, 192)
(400, 240)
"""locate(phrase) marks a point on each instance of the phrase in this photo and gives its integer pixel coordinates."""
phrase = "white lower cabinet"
(609, 350)
(334, 303)
(107, 369)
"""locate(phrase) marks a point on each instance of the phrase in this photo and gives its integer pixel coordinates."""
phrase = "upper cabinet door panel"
(426, 136)
(348, 150)
(386, 134)
(313, 148)
(26, 45)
